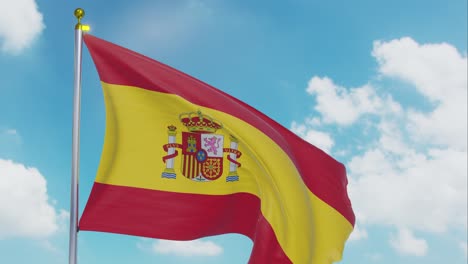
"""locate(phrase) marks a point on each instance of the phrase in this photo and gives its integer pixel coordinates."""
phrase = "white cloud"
(9, 136)
(11, 132)
(187, 248)
(174, 23)
(25, 209)
(374, 257)
(319, 139)
(338, 105)
(418, 171)
(20, 24)
(407, 244)
(424, 192)
(464, 247)
(438, 72)
(358, 233)
(344, 106)
(407, 169)
(446, 125)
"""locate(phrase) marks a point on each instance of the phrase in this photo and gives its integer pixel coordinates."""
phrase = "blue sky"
(380, 85)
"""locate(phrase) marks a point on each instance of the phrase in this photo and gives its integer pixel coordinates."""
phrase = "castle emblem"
(202, 150)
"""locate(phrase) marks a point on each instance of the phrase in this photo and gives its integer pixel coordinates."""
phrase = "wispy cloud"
(358, 233)
(166, 25)
(10, 141)
(407, 244)
(174, 27)
(11, 132)
(464, 247)
(374, 257)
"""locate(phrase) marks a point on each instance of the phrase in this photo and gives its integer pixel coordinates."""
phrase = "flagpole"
(72, 258)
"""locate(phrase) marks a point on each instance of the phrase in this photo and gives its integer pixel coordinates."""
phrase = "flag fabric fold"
(183, 160)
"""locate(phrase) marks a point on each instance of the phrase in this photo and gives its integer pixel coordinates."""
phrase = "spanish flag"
(183, 160)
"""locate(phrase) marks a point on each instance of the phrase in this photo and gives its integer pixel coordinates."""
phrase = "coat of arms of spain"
(202, 150)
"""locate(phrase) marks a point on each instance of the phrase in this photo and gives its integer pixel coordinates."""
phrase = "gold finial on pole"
(79, 14)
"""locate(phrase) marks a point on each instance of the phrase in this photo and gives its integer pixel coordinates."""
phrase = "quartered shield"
(202, 156)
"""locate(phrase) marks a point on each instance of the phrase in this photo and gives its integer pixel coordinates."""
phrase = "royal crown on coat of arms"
(202, 150)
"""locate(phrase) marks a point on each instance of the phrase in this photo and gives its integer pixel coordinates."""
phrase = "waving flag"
(183, 160)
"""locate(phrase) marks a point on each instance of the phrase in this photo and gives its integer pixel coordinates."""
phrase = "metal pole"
(72, 259)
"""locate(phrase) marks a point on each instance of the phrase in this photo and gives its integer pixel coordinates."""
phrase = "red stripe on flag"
(180, 216)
